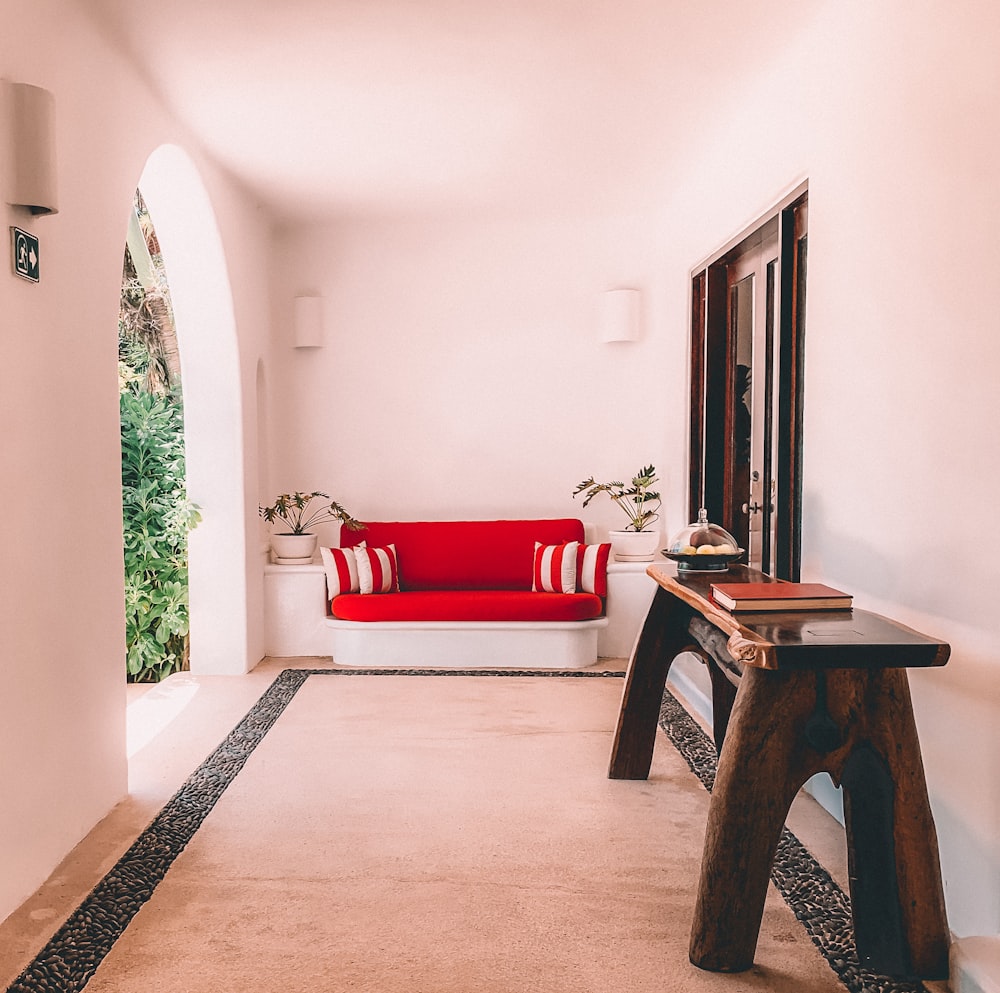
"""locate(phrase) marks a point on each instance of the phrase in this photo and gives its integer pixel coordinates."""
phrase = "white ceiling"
(356, 106)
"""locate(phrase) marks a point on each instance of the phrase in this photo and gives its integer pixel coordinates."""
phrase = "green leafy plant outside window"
(156, 513)
(156, 519)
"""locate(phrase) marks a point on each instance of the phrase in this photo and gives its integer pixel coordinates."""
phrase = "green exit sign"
(24, 254)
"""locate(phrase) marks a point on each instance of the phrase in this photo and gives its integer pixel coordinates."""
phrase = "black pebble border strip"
(72, 955)
(808, 889)
(557, 673)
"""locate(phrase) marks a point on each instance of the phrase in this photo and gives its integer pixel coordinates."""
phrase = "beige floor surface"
(423, 834)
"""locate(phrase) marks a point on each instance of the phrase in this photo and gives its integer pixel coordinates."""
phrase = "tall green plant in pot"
(294, 514)
(640, 503)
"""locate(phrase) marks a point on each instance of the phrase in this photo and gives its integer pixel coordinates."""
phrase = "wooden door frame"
(711, 471)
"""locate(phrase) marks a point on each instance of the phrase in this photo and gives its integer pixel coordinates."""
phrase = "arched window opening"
(157, 514)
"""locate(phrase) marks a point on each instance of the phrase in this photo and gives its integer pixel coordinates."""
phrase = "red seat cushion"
(468, 605)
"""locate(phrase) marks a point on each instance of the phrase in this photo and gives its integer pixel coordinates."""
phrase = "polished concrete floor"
(419, 833)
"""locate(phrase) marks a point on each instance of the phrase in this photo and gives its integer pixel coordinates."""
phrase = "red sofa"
(465, 598)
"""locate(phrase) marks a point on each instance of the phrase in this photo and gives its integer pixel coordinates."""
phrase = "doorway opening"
(156, 513)
(224, 635)
(747, 353)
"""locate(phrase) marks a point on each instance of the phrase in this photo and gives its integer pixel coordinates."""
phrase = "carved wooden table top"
(800, 638)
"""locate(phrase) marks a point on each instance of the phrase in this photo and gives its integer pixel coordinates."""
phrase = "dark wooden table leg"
(723, 699)
(664, 635)
(754, 786)
(897, 896)
(866, 739)
(722, 670)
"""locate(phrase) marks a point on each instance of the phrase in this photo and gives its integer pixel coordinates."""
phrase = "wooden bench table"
(796, 693)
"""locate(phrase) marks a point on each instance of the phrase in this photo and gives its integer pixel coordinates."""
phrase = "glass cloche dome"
(703, 547)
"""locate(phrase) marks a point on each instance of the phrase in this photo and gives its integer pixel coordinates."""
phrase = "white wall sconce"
(308, 322)
(620, 315)
(30, 174)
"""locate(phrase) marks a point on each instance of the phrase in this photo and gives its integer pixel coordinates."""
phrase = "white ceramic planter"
(634, 546)
(293, 549)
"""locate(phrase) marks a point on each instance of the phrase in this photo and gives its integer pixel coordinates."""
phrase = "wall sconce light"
(620, 315)
(308, 322)
(31, 138)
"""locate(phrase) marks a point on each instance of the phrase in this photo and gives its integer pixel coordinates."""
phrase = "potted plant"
(297, 544)
(640, 504)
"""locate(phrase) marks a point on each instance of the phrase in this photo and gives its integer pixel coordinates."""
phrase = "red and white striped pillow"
(554, 569)
(378, 571)
(592, 568)
(341, 566)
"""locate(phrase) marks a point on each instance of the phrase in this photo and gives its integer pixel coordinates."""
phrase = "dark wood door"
(748, 323)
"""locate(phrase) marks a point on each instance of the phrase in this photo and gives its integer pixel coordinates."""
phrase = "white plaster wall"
(62, 709)
(901, 396)
(244, 238)
(462, 375)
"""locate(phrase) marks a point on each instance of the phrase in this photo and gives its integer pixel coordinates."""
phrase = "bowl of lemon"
(703, 547)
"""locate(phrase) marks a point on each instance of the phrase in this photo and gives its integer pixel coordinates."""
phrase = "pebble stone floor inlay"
(72, 956)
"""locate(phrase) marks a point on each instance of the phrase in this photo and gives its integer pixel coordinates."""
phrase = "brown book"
(779, 596)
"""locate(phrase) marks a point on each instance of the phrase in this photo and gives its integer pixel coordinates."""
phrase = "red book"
(779, 596)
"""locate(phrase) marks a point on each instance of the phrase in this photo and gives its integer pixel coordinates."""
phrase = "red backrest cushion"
(465, 555)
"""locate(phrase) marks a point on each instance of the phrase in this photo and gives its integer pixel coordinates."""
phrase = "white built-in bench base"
(296, 623)
(295, 611)
(465, 644)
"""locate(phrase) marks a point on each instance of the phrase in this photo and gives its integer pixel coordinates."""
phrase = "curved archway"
(213, 410)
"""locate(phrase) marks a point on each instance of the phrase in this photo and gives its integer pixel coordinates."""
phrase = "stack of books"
(779, 596)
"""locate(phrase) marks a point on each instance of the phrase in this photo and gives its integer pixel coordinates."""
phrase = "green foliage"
(638, 502)
(157, 517)
(156, 514)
